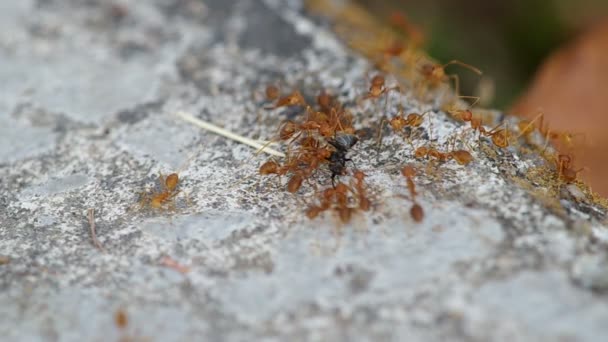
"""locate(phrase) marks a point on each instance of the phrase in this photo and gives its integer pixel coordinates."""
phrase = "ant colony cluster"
(322, 132)
(320, 139)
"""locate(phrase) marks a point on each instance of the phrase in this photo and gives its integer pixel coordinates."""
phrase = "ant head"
(466, 115)
(269, 167)
(564, 158)
(431, 70)
(395, 48)
(417, 213)
(324, 99)
(408, 171)
(397, 123)
(415, 119)
(377, 81)
(421, 151)
(272, 92)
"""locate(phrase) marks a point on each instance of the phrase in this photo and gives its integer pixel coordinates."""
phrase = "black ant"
(337, 159)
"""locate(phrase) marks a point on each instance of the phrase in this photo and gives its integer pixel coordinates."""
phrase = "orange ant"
(462, 157)
(409, 173)
(564, 165)
(500, 137)
(423, 151)
(435, 74)
(336, 198)
(398, 122)
(364, 202)
(272, 92)
(378, 88)
(295, 182)
(272, 167)
(293, 99)
(527, 127)
(120, 319)
(395, 49)
(414, 33)
(325, 200)
(168, 191)
(341, 196)
(416, 211)
(325, 101)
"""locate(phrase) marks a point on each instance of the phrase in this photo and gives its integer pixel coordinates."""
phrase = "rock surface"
(87, 99)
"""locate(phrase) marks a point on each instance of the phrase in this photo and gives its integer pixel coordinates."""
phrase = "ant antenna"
(227, 134)
(530, 124)
(476, 98)
(468, 66)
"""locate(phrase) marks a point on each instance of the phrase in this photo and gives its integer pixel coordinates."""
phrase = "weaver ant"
(563, 162)
(500, 136)
(398, 122)
(293, 99)
(295, 182)
(378, 88)
(339, 196)
(462, 157)
(435, 74)
(527, 127)
(414, 33)
(360, 188)
(272, 93)
(335, 198)
(416, 211)
(168, 191)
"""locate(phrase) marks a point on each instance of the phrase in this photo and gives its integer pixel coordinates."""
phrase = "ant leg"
(495, 129)
(456, 84)
(531, 124)
(476, 98)
(144, 198)
(380, 134)
(161, 180)
(350, 160)
(546, 140)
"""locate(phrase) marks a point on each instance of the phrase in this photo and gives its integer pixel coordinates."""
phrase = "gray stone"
(87, 103)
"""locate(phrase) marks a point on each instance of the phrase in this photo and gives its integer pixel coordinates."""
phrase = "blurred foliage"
(508, 40)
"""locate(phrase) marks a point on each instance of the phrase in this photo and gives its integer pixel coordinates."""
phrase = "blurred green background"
(508, 40)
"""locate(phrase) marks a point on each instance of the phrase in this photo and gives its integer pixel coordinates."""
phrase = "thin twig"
(225, 133)
(91, 216)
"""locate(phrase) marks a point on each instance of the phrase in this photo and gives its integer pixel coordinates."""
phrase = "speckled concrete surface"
(87, 97)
